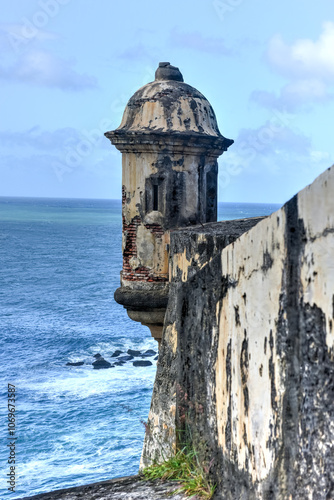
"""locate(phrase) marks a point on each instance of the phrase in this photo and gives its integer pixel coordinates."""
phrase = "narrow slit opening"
(155, 197)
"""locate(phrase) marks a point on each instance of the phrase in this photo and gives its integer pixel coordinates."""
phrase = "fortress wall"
(246, 367)
(191, 250)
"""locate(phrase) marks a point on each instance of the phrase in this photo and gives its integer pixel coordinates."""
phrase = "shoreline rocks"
(142, 363)
(148, 353)
(101, 363)
(116, 353)
(125, 358)
(134, 353)
(120, 358)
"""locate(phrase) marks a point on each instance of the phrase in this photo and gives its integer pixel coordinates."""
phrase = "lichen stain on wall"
(317, 269)
(137, 167)
(145, 247)
(248, 385)
(183, 262)
(171, 332)
(249, 335)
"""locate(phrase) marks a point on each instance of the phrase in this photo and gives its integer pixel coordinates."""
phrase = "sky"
(68, 68)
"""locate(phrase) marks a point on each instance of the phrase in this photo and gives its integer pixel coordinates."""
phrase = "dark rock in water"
(134, 353)
(125, 358)
(148, 353)
(101, 363)
(156, 358)
(142, 363)
(116, 353)
(97, 356)
(76, 363)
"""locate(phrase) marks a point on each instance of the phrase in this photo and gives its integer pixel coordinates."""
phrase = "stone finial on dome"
(166, 71)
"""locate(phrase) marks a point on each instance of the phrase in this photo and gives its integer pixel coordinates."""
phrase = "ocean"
(59, 266)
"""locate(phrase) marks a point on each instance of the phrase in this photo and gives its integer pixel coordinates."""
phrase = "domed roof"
(167, 105)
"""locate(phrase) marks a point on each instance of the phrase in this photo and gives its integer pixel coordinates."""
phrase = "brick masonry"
(130, 250)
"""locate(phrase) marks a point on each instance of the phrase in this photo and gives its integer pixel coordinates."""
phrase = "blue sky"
(68, 68)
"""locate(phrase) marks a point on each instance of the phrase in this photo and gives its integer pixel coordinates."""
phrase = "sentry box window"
(154, 195)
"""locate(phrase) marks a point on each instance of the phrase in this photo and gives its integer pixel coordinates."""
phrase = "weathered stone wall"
(191, 249)
(246, 368)
(122, 488)
(186, 194)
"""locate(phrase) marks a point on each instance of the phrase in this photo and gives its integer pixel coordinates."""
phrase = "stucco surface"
(246, 370)
(191, 248)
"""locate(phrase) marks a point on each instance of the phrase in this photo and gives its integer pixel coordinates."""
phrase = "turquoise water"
(59, 266)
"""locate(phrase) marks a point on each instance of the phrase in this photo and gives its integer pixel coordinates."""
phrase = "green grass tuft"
(185, 468)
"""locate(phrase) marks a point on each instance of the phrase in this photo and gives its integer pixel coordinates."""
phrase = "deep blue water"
(59, 266)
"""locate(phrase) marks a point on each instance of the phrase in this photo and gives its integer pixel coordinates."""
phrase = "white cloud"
(24, 60)
(321, 156)
(136, 53)
(59, 141)
(294, 95)
(305, 58)
(38, 139)
(64, 152)
(196, 41)
(14, 37)
(40, 67)
(309, 67)
(274, 156)
(273, 138)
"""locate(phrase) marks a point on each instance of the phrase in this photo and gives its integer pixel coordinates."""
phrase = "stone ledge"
(129, 488)
(234, 227)
(141, 298)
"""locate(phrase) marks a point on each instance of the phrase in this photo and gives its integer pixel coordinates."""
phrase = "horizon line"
(119, 199)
